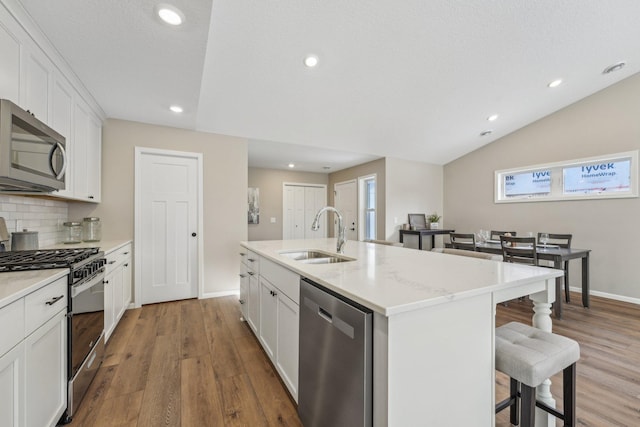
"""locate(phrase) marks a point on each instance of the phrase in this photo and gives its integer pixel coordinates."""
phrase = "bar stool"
(529, 356)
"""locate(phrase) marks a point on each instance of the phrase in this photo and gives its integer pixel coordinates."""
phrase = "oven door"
(86, 320)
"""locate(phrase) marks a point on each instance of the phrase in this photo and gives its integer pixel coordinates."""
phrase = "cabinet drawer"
(244, 252)
(283, 278)
(43, 304)
(12, 321)
(117, 257)
(253, 262)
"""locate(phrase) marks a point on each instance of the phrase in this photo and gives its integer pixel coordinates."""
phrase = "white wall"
(605, 123)
(412, 187)
(225, 191)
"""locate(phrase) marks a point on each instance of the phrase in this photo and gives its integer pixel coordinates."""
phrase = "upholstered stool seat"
(529, 356)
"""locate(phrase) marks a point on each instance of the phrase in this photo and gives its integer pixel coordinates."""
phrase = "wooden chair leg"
(528, 397)
(567, 297)
(569, 395)
(514, 410)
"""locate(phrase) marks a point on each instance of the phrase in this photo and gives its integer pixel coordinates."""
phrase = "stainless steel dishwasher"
(336, 371)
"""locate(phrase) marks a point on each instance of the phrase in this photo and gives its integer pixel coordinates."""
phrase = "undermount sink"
(315, 257)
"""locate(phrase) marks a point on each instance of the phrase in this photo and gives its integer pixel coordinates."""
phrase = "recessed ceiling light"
(555, 83)
(614, 67)
(176, 109)
(492, 117)
(170, 14)
(291, 165)
(486, 132)
(311, 61)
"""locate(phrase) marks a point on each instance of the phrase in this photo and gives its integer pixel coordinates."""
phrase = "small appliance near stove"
(85, 312)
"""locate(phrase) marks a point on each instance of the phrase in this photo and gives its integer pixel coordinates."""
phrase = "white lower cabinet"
(268, 318)
(254, 303)
(33, 357)
(12, 387)
(117, 287)
(46, 373)
(273, 301)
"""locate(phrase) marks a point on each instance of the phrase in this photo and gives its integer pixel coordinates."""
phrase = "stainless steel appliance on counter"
(85, 309)
(32, 155)
(336, 351)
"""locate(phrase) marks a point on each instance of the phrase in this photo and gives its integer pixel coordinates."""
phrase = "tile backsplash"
(35, 214)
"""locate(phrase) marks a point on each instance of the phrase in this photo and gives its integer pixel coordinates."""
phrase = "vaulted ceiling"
(413, 79)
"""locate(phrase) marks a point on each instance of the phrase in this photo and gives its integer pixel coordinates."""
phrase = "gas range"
(82, 262)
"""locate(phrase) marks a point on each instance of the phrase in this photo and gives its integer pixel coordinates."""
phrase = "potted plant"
(433, 220)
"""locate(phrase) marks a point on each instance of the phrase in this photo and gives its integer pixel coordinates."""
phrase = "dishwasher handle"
(325, 314)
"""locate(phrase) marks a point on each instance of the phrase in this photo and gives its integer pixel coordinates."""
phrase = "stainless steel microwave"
(32, 155)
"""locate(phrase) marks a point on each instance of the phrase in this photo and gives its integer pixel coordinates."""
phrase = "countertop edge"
(34, 286)
(402, 308)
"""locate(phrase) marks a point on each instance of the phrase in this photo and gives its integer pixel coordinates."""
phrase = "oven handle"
(75, 290)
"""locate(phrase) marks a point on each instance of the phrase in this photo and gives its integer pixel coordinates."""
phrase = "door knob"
(193, 234)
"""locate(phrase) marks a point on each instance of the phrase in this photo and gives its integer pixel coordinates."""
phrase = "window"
(613, 176)
(368, 207)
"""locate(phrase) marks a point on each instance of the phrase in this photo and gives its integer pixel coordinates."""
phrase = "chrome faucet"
(341, 228)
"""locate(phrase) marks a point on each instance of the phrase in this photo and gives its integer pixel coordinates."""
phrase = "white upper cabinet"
(62, 122)
(37, 77)
(10, 63)
(33, 76)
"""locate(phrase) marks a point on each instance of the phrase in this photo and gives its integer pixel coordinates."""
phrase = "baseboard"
(219, 294)
(608, 295)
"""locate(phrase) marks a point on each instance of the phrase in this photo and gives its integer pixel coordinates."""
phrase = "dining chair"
(418, 221)
(466, 241)
(520, 250)
(495, 234)
(563, 241)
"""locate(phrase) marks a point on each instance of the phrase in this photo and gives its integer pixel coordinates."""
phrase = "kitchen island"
(434, 323)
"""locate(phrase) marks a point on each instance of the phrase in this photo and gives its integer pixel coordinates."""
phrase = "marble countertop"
(391, 280)
(16, 284)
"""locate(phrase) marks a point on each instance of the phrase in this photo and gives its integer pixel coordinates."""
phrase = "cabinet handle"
(105, 281)
(241, 301)
(251, 260)
(126, 253)
(242, 276)
(126, 265)
(111, 262)
(273, 294)
(91, 197)
(242, 254)
(251, 273)
(54, 300)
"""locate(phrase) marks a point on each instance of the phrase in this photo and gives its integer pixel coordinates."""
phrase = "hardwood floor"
(193, 363)
(186, 363)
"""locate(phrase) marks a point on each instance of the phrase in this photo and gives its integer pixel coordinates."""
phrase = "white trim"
(362, 211)
(556, 170)
(219, 294)
(139, 152)
(607, 295)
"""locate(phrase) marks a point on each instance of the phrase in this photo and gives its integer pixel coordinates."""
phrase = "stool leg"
(566, 281)
(514, 410)
(569, 395)
(528, 416)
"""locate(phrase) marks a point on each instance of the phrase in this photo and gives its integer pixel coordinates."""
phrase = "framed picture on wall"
(254, 206)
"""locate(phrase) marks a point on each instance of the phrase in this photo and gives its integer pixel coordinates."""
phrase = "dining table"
(558, 256)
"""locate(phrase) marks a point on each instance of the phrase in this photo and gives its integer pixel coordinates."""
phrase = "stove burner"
(43, 259)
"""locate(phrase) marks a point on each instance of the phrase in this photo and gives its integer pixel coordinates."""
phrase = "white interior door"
(167, 244)
(346, 201)
(300, 204)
